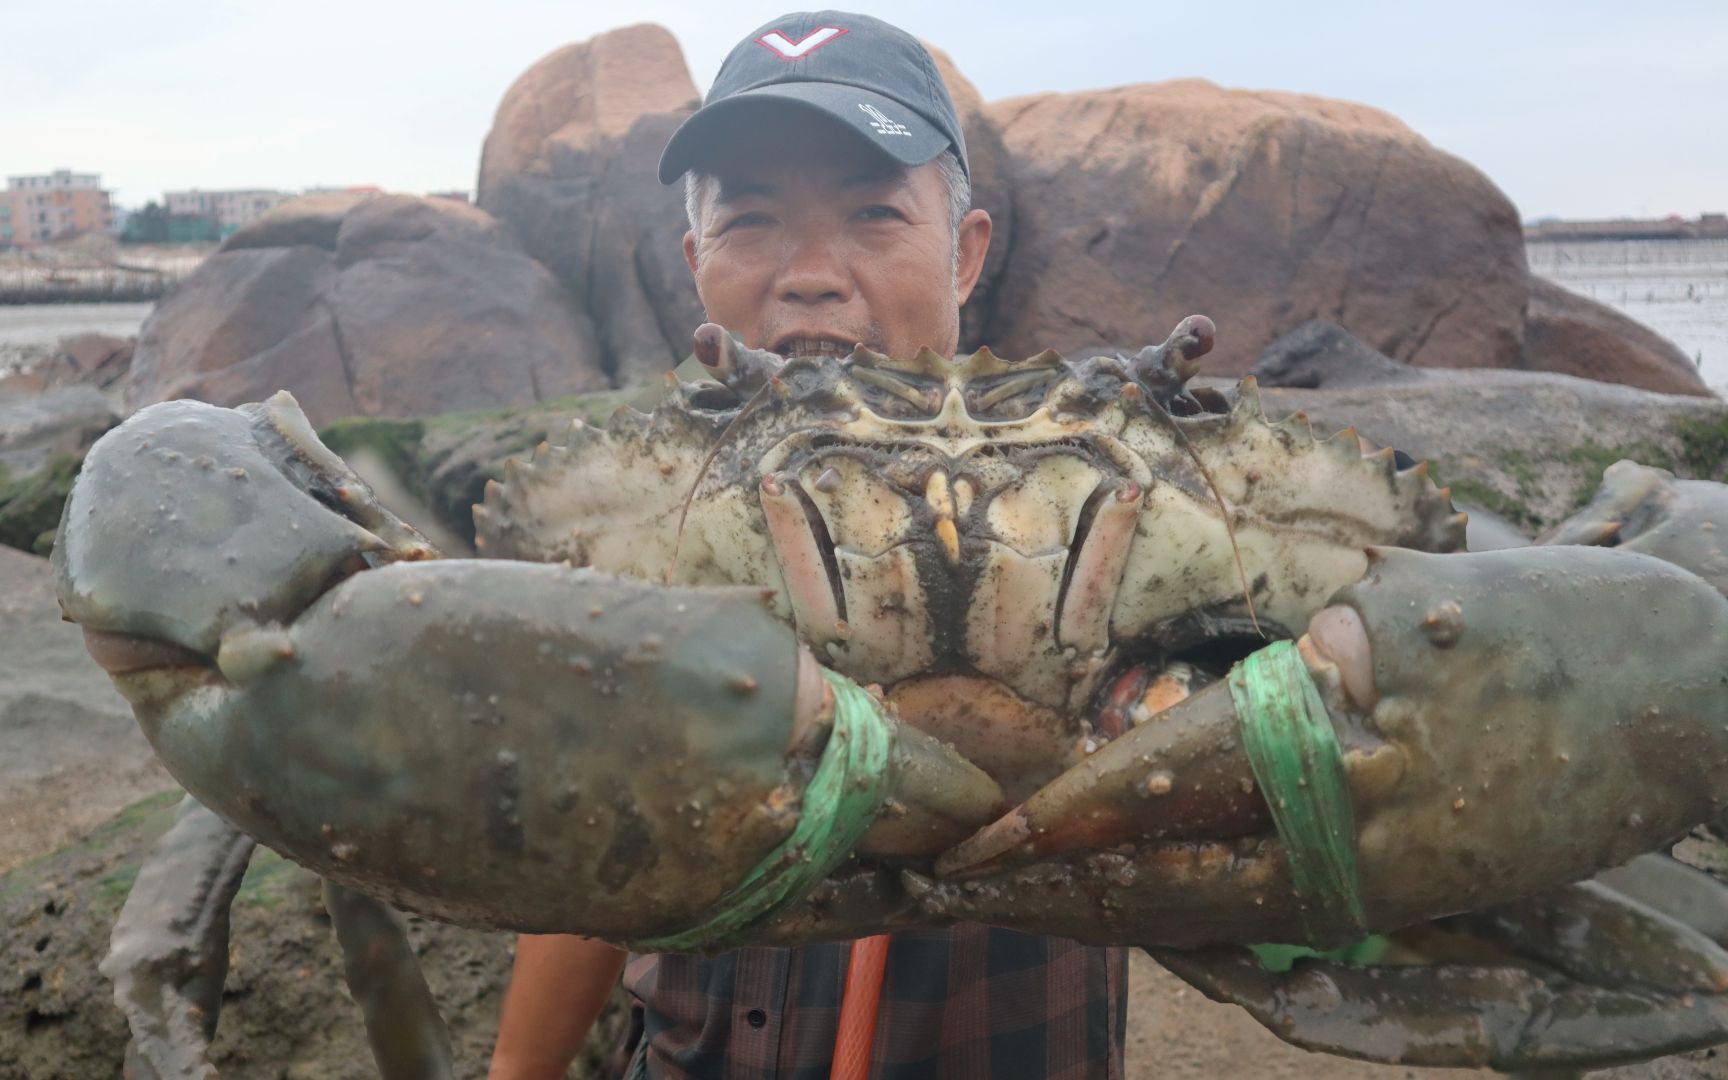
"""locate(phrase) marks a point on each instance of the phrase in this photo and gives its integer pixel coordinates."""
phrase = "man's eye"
(746, 221)
(881, 213)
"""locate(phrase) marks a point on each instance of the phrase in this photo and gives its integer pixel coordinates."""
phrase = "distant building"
(227, 210)
(54, 206)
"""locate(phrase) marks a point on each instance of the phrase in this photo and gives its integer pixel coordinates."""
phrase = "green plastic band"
(840, 804)
(1295, 756)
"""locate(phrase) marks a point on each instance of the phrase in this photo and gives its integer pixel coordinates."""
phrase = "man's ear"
(690, 251)
(975, 229)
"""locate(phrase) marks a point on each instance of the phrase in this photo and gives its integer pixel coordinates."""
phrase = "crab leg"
(1471, 703)
(168, 953)
(1679, 891)
(1577, 978)
(1503, 1018)
(408, 1036)
(1597, 935)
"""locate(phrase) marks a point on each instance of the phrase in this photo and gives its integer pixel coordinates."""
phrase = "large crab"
(1067, 586)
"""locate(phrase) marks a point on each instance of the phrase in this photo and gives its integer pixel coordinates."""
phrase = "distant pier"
(47, 276)
(1703, 227)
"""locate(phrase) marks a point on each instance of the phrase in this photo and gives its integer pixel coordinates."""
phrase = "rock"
(1528, 446)
(992, 189)
(99, 359)
(1575, 335)
(408, 306)
(570, 163)
(35, 428)
(70, 753)
(1139, 205)
(309, 221)
(43, 437)
(1320, 354)
(286, 1011)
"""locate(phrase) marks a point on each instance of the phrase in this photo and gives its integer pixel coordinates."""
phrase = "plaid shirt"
(969, 1001)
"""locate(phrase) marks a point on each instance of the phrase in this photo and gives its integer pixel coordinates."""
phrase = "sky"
(1576, 109)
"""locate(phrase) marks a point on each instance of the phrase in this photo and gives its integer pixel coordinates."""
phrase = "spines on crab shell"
(985, 362)
(1430, 522)
(1247, 405)
(1261, 510)
(600, 500)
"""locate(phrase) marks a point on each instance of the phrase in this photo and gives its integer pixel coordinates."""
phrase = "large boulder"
(1138, 205)
(1576, 335)
(1529, 446)
(570, 163)
(992, 189)
(390, 306)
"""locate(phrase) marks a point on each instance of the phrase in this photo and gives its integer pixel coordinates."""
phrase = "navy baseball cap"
(875, 78)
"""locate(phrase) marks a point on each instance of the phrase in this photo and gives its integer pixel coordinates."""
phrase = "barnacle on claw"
(987, 662)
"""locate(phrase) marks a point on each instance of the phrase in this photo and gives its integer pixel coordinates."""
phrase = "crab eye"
(1012, 396)
(709, 396)
(898, 395)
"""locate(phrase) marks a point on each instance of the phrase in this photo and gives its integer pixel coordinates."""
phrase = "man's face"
(815, 242)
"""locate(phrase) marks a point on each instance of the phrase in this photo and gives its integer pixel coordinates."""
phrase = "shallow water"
(1679, 288)
(45, 324)
(25, 328)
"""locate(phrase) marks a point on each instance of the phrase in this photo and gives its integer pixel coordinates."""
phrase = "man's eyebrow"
(731, 190)
(876, 176)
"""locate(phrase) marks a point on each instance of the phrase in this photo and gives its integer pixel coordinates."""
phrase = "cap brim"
(908, 137)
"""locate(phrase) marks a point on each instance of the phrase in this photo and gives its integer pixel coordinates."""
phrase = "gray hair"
(700, 189)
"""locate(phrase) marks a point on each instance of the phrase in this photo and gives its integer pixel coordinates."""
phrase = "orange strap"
(858, 1005)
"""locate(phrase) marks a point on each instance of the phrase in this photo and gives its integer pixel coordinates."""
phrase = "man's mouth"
(814, 345)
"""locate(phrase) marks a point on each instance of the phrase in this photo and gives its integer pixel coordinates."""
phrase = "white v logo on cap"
(884, 126)
(778, 44)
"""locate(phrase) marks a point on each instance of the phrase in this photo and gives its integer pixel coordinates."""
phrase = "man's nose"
(813, 271)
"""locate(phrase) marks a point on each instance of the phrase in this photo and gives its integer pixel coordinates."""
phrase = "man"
(828, 192)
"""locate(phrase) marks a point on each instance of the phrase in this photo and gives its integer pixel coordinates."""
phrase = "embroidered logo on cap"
(884, 126)
(778, 44)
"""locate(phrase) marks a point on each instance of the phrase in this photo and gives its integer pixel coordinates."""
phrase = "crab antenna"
(1180, 355)
(750, 406)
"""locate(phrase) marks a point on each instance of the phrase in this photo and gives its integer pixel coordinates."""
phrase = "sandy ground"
(70, 752)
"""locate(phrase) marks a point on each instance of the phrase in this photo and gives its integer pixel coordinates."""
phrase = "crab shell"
(985, 539)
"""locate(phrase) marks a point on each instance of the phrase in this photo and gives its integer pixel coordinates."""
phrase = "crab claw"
(1453, 686)
(189, 521)
(1647, 510)
(1180, 775)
